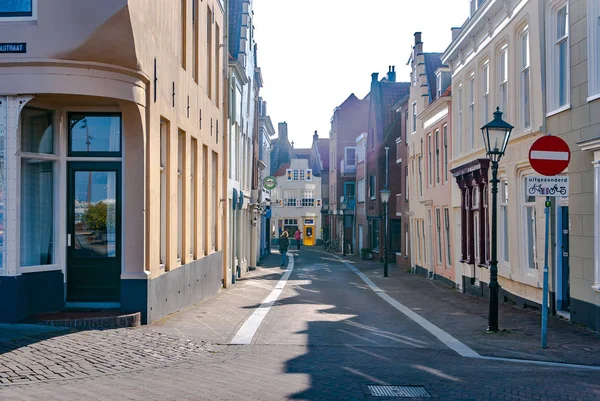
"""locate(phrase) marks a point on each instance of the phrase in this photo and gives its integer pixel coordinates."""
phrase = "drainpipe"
(225, 142)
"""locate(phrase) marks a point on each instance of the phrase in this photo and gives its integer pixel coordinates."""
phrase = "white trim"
(41, 268)
(560, 109)
(593, 45)
(437, 117)
(552, 58)
(593, 97)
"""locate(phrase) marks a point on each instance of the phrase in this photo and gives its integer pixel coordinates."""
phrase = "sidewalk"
(465, 317)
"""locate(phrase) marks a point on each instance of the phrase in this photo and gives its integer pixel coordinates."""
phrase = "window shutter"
(298, 202)
(288, 174)
(309, 174)
(318, 202)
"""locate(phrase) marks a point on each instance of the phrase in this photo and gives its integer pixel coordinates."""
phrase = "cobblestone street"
(326, 337)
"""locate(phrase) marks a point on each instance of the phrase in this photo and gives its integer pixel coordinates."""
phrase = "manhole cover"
(398, 391)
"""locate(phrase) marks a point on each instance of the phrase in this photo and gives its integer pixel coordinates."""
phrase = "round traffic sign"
(549, 155)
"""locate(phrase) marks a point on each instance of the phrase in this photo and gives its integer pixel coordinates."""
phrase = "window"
(215, 200)
(37, 177)
(485, 85)
(503, 80)
(372, 187)
(182, 55)
(94, 134)
(429, 161)
(414, 190)
(164, 135)
(195, 40)
(22, 9)
(395, 235)
(193, 198)
(558, 56)
(447, 229)
(423, 235)
(593, 15)
(308, 198)
(420, 177)
(419, 253)
(475, 218)
(205, 199)
(446, 152)
(525, 84)
(360, 154)
(209, 52)
(504, 233)
(406, 183)
(375, 236)
(530, 232)
(302, 174)
(290, 225)
(438, 83)
(289, 197)
(218, 71)
(414, 117)
(437, 156)
(361, 190)
(350, 156)
(438, 225)
(471, 121)
(459, 123)
(180, 188)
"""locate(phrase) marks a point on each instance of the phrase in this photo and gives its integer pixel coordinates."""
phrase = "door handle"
(68, 239)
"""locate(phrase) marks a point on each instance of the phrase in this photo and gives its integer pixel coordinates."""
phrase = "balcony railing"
(347, 169)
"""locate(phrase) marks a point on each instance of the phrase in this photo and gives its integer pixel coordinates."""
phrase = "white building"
(296, 202)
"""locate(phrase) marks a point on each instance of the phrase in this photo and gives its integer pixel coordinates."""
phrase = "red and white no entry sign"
(549, 155)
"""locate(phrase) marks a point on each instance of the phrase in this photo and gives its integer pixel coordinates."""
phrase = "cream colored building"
(495, 61)
(296, 202)
(573, 111)
(113, 170)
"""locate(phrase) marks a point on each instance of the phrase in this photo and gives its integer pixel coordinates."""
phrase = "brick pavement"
(465, 317)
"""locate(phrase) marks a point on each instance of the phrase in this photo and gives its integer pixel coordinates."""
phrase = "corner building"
(111, 150)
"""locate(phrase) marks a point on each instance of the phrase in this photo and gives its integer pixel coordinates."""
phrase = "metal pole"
(343, 235)
(545, 286)
(385, 238)
(494, 286)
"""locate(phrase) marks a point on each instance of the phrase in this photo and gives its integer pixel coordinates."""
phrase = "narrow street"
(327, 337)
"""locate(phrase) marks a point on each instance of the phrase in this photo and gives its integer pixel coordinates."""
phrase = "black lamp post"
(385, 198)
(496, 134)
(343, 207)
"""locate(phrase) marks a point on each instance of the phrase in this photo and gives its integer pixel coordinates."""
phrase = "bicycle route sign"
(549, 155)
(547, 186)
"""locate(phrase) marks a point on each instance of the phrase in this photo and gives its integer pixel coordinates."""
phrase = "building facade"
(297, 202)
(430, 151)
(348, 121)
(573, 113)
(124, 143)
(244, 83)
(495, 62)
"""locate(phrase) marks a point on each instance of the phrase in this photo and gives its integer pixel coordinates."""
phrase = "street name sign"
(547, 186)
(13, 47)
(549, 155)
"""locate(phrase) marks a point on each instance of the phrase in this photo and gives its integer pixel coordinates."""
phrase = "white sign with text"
(539, 185)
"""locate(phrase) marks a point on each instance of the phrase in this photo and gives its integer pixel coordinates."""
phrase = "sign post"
(548, 156)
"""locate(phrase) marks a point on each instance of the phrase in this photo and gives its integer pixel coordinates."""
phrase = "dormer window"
(439, 85)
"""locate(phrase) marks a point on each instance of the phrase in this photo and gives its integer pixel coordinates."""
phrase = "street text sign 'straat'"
(549, 155)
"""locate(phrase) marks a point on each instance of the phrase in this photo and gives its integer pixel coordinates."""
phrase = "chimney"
(418, 43)
(375, 77)
(315, 137)
(391, 75)
(283, 131)
(455, 32)
(263, 110)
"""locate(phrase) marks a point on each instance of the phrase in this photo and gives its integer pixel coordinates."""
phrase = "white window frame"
(448, 234)
(438, 83)
(373, 186)
(503, 80)
(437, 156)
(308, 198)
(429, 161)
(290, 197)
(438, 224)
(504, 220)
(593, 15)
(347, 158)
(360, 195)
(414, 117)
(471, 118)
(33, 17)
(446, 153)
(163, 166)
(485, 95)
(459, 122)
(553, 58)
(525, 84)
(302, 174)
(529, 260)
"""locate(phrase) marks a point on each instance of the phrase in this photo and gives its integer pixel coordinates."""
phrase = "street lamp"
(385, 198)
(496, 134)
(343, 206)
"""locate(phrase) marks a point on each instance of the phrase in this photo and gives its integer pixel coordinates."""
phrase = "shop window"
(94, 134)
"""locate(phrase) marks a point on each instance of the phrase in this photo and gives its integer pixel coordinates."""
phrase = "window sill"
(40, 268)
(596, 288)
(593, 97)
(559, 110)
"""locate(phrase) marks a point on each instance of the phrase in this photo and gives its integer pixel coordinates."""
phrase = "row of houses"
(538, 62)
(131, 151)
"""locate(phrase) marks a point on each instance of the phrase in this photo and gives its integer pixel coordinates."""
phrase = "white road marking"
(246, 333)
(549, 155)
(450, 341)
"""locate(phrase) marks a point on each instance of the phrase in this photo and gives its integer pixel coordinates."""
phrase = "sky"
(313, 54)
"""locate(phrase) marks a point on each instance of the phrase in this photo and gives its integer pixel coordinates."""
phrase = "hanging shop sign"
(270, 182)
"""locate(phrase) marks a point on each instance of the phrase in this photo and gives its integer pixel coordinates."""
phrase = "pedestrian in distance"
(284, 244)
(298, 237)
